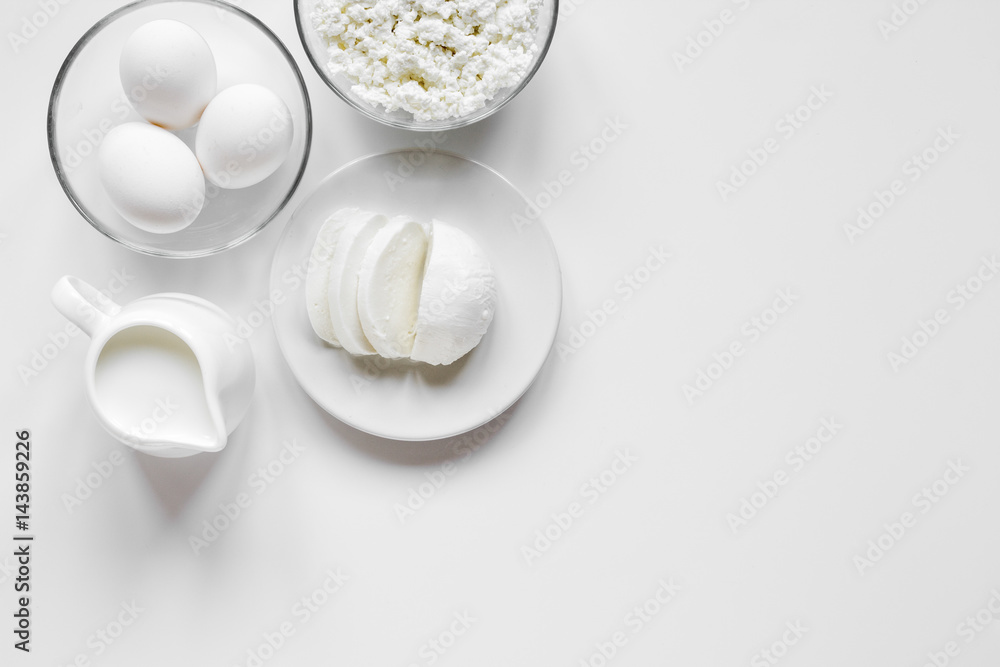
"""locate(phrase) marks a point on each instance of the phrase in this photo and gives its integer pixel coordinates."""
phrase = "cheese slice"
(389, 286)
(342, 291)
(318, 272)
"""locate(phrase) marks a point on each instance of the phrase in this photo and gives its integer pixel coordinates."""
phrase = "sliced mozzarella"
(318, 272)
(389, 286)
(342, 294)
(457, 300)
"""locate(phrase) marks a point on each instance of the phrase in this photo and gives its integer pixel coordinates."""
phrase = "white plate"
(404, 400)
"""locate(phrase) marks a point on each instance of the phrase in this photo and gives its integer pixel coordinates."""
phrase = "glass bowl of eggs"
(426, 66)
(179, 128)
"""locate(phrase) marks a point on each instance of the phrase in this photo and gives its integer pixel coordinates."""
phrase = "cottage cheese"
(436, 59)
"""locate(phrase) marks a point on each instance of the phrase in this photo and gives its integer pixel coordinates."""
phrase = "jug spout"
(195, 436)
(215, 440)
(83, 305)
(191, 417)
(176, 447)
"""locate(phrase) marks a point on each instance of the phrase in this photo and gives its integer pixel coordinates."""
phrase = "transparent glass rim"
(415, 125)
(71, 193)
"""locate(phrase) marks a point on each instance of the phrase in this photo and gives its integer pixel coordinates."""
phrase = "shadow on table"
(419, 453)
(176, 481)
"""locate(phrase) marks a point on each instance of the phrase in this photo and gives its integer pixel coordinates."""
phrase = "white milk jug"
(162, 374)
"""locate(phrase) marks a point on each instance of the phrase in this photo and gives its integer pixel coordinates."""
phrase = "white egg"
(244, 136)
(168, 73)
(152, 177)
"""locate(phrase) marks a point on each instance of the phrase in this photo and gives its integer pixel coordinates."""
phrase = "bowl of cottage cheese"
(426, 64)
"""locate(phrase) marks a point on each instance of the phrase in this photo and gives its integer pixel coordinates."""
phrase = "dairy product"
(389, 286)
(318, 273)
(151, 177)
(345, 266)
(168, 73)
(149, 383)
(399, 288)
(458, 298)
(436, 59)
(244, 135)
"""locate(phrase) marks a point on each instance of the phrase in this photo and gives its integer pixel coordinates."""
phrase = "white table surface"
(795, 564)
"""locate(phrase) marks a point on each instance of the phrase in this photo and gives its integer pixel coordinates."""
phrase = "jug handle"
(83, 305)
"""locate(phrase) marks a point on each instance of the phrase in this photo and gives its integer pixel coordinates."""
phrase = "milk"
(160, 373)
(149, 383)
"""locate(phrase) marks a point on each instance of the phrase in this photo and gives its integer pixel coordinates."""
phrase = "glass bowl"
(316, 49)
(88, 101)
